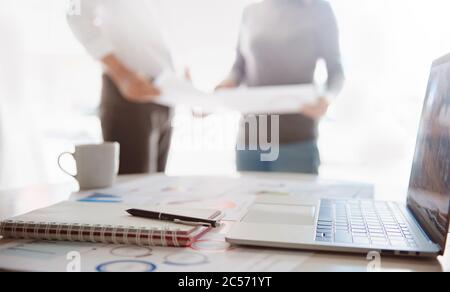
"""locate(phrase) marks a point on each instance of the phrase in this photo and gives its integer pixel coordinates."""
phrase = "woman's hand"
(316, 110)
(227, 84)
(187, 74)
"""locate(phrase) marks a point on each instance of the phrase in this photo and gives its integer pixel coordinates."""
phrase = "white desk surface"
(16, 202)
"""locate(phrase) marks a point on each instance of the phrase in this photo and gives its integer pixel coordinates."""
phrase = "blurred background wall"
(49, 87)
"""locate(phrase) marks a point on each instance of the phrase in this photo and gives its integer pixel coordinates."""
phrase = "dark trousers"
(144, 131)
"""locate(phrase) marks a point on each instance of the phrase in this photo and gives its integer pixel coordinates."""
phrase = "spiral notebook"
(104, 223)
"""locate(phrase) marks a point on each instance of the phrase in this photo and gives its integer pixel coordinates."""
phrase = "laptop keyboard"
(366, 223)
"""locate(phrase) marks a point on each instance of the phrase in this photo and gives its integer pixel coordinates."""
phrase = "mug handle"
(62, 168)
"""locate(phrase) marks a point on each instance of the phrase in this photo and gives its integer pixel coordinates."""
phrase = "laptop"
(417, 228)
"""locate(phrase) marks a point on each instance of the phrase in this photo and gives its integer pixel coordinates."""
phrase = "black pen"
(174, 218)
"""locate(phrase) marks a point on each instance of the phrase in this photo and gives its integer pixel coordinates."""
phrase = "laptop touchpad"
(281, 214)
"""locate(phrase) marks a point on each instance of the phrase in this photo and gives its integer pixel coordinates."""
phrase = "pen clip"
(216, 224)
(193, 223)
(221, 216)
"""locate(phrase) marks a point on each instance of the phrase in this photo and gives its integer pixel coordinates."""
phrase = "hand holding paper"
(316, 110)
(276, 99)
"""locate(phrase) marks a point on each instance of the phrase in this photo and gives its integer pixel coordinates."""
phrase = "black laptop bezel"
(439, 62)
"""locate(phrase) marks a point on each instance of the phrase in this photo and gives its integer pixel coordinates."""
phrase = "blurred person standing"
(280, 43)
(127, 38)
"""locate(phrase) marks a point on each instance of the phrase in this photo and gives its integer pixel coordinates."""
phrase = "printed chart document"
(269, 100)
(210, 253)
(232, 195)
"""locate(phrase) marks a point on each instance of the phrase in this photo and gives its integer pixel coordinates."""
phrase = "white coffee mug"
(97, 165)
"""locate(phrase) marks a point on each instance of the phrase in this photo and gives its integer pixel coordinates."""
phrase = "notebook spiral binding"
(107, 234)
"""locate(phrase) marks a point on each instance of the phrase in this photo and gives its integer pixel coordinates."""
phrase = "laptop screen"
(429, 193)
